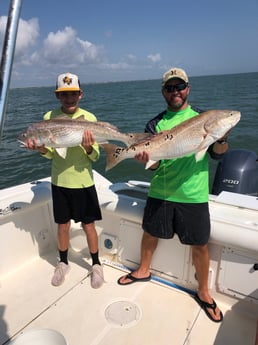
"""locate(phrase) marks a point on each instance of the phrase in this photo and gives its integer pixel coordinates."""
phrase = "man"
(182, 206)
(73, 190)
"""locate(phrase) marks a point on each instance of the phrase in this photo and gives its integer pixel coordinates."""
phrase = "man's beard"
(176, 106)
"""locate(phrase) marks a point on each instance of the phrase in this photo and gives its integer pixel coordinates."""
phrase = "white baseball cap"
(67, 82)
(174, 72)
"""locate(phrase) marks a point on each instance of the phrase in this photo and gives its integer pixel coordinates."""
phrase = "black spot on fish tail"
(118, 152)
(168, 137)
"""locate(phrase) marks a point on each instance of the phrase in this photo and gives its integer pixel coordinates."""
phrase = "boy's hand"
(88, 141)
(31, 144)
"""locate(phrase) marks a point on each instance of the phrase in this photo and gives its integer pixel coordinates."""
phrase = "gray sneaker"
(59, 275)
(97, 276)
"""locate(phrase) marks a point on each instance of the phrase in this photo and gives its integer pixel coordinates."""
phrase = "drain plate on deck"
(123, 314)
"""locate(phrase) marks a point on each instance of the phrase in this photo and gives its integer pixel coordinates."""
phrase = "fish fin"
(81, 118)
(199, 155)
(62, 151)
(150, 163)
(207, 141)
(102, 142)
(60, 117)
(112, 152)
(136, 138)
(66, 117)
(107, 124)
(98, 123)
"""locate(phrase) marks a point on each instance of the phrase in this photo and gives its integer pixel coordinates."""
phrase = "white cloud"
(65, 48)
(131, 57)
(27, 35)
(154, 57)
(116, 66)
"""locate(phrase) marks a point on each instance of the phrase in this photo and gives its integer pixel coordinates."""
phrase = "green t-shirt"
(75, 171)
(181, 179)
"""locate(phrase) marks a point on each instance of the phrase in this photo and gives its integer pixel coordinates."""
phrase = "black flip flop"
(205, 306)
(133, 279)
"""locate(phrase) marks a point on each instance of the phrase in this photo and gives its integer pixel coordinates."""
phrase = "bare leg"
(201, 262)
(63, 236)
(148, 246)
(92, 237)
(90, 231)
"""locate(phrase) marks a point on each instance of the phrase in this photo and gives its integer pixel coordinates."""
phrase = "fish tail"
(113, 156)
(135, 138)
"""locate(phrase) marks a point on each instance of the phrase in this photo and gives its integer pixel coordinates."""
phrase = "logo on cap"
(173, 72)
(67, 80)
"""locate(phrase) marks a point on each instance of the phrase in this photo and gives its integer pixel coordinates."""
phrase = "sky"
(123, 40)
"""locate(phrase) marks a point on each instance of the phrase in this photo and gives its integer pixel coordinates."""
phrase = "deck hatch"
(123, 313)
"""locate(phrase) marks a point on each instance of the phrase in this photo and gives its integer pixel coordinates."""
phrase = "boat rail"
(7, 57)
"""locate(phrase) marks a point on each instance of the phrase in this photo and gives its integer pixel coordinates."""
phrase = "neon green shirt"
(182, 179)
(75, 171)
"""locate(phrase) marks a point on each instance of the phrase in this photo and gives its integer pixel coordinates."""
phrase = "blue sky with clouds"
(114, 40)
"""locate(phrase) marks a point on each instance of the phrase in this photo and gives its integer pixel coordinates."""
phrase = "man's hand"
(144, 157)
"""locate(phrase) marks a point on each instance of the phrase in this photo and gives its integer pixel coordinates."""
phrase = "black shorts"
(191, 222)
(79, 204)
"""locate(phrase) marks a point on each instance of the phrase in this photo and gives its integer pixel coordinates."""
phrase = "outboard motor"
(237, 172)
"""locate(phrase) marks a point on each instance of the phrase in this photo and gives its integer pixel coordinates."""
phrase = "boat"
(161, 311)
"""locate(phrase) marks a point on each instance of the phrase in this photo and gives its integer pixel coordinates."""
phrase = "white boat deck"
(141, 313)
(156, 312)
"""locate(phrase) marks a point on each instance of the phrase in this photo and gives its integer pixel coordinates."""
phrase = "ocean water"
(128, 105)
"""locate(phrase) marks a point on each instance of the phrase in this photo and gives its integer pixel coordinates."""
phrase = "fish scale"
(62, 132)
(192, 136)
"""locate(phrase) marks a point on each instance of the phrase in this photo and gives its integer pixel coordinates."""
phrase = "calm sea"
(128, 105)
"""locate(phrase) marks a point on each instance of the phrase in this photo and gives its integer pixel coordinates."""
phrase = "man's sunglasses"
(177, 87)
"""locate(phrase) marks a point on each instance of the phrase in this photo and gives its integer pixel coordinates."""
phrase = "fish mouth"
(22, 143)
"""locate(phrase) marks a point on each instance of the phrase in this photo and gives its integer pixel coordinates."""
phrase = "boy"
(73, 191)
